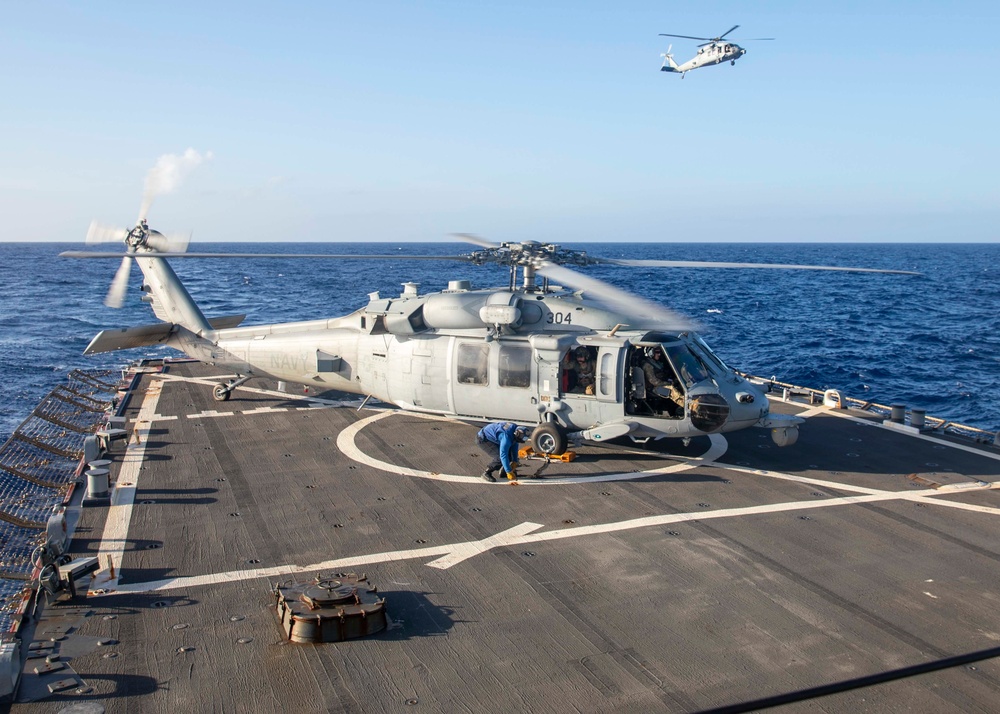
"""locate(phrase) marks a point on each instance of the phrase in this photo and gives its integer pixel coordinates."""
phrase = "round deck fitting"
(330, 609)
(326, 593)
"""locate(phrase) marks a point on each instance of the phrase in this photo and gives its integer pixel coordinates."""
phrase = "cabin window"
(515, 366)
(605, 378)
(473, 360)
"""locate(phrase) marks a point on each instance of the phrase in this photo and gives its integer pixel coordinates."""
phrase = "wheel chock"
(528, 453)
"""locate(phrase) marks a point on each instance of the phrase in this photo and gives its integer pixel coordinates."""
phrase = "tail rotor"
(137, 240)
(667, 56)
(116, 293)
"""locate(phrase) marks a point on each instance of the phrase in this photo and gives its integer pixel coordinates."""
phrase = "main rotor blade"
(642, 312)
(116, 293)
(100, 233)
(686, 37)
(727, 32)
(176, 242)
(754, 39)
(475, 240)
(317, 256)
(712, 264)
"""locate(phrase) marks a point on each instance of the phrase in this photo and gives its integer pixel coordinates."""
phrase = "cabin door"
(494, 380)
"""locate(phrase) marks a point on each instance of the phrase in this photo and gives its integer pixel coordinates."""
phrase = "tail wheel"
(548, 438)
(221, 393)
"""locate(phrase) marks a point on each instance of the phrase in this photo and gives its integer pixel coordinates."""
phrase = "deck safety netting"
(38, 465)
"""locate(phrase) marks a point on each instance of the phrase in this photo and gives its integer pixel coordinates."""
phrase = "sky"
(516, 120)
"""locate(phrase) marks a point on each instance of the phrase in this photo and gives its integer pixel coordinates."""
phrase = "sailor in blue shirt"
(499, 442)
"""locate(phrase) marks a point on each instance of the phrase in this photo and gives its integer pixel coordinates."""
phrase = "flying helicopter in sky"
(552, 349)
(715, 50)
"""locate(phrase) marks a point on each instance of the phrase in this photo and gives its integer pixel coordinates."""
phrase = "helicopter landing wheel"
(221, 393)
(732, 62)
(549, 439)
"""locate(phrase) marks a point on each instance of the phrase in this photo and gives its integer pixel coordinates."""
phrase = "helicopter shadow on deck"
(84, 547)
(174, 496)
(641, 459)
(243, 400)
(89, 688)
(135, 603)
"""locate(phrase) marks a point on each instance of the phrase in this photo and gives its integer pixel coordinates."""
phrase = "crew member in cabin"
(659, 377)
(584, 366)
(499, 442)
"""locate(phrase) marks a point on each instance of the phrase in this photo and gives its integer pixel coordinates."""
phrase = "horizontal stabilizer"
(128, 338)
(667, 68)
(225, 322)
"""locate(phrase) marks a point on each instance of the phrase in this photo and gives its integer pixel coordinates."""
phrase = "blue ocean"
(930, 341)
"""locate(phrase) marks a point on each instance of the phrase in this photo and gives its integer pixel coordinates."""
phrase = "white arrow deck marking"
(464, 551)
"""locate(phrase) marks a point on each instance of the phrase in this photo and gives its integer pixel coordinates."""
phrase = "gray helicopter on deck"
(503, 353)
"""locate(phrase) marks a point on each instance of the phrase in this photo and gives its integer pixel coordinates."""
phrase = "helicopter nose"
(709, 412)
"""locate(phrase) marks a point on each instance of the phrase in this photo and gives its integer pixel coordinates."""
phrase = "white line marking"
(904, 495)
(450, 554)
(956, 504)
(813, 412)
(803, 479)
(345, 442)
(210, 414)
(120, 511)
(464, 551)
(211, 382)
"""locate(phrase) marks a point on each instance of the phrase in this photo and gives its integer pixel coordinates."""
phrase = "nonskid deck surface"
(656, 578)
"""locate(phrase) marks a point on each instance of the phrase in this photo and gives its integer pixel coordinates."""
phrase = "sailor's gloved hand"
(512, 475)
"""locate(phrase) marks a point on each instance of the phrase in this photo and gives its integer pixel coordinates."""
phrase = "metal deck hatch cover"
(330, 609)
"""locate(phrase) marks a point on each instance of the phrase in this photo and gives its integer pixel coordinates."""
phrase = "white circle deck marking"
(346, 444)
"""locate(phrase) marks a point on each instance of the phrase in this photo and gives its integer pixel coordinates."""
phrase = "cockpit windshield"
(715, 364)
(688, 365)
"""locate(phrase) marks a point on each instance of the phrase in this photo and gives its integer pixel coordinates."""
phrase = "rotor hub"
(138, 236)
(530, 254)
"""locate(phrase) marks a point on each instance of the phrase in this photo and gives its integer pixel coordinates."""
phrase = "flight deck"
(857, 570)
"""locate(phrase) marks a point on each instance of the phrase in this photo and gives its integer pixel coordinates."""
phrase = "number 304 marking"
(559, 318)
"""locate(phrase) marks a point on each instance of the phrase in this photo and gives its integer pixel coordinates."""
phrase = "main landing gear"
(548, 438)
(222, 392)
